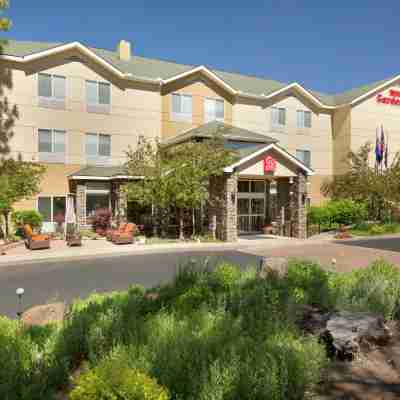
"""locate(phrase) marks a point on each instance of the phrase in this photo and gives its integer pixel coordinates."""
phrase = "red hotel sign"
(269, 164)
(393, 98)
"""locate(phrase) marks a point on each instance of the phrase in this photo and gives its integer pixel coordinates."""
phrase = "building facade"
(81, 109)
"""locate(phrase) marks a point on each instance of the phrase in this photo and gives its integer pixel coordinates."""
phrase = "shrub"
(342, 212)
(101, 220)
(374, 289)
(31, 217)
(113, 379)
(16, 360)
(225, 276)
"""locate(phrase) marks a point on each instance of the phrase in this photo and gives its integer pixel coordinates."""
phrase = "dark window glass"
(44, 207)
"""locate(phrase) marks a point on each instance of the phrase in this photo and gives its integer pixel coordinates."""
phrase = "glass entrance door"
(251, 206)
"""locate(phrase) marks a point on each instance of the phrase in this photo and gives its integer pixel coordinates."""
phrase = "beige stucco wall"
(341, 134)
(134, 112)
(199, 90)
(369, 115)
(317, 139)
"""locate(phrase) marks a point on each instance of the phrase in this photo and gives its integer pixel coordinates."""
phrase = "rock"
(273, 267)
(43, 315)
(348, 333)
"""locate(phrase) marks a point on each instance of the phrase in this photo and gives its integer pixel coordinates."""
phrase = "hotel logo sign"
(269, 164)
(393, 98)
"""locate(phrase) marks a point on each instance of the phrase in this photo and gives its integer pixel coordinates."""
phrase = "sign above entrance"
(269, 164)
(393, 98)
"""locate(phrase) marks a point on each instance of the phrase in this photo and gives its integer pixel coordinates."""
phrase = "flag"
(382, 143)
(378, 149)
(387, 151)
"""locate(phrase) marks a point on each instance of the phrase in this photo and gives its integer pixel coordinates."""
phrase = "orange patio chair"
(35, 241)
(111, 232)
(126, 236)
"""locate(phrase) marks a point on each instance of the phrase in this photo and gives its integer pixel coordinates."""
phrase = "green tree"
(8, 112)
(362, 182)
(176, 177)
(194, 165)
(18, 180)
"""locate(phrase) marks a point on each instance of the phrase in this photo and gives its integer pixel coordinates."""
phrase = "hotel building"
(81, 108)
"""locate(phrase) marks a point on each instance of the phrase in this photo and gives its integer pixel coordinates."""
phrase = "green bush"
(375, 289)
(30, 217)
(16, 360)
(112, 379)
(338, 212)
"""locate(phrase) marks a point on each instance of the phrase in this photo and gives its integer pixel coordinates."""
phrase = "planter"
(268, 230)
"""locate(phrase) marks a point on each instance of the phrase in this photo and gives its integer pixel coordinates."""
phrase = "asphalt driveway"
(51, 281)
(379, 243)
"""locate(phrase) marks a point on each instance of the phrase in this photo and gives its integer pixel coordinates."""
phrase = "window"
(51, 90)
(181, 107)
(278, 117)
(213, 110)
(98, 96)
(95, 201)
(98, 147)
(303, 119)
(304, 156)
(51, 206)
(51, 145)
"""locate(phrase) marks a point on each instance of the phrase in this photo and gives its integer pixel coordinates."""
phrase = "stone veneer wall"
(81, 204)
(223, 196)
(298, 206)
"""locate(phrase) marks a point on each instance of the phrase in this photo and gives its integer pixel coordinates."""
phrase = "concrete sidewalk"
(101, 248)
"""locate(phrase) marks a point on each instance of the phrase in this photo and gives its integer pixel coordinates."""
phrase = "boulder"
(349, 333)
(43, 315)
(273, 267)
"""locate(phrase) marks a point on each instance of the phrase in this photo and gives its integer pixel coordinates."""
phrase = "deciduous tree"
(18, 180)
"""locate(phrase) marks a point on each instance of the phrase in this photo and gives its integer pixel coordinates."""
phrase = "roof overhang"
(375, 90)
(93, 56)
(103, 178)
(273, 146)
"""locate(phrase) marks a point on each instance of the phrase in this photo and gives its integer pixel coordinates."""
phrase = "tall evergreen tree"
(8, 112)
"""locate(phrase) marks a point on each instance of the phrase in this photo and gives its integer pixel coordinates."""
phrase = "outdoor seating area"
(35, 241)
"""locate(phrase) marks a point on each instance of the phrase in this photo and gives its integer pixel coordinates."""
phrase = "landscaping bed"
(222, 334)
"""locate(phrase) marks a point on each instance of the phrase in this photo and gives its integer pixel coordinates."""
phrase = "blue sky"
(327, 46)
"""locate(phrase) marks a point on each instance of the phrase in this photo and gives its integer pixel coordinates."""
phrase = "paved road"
(65, 280)
(388, 244)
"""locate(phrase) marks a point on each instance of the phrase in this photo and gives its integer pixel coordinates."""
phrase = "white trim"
(205, 71)
(284, 153)
(104, 178)
(380, 87)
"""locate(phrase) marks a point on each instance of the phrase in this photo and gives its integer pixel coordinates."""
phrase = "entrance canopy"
(270, 160)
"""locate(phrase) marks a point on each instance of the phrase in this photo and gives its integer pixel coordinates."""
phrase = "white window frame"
(277, 124)
(214, 118)
(179, 116)
(96, 107)
(52, 101)
(301, 119)
(51, 197)
(52, 157)
(98, 159)
(304, 150)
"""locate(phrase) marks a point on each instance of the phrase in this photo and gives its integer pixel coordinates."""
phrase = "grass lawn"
(208, 335)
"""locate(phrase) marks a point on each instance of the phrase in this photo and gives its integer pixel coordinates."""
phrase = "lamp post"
(19, 292)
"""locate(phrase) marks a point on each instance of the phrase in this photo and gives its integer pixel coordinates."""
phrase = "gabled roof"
(100, 173)
(263, 149)
(228, 132)
(162, 72)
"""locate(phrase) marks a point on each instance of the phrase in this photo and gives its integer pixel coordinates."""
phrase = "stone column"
(121, 204)
(81, 205)
(223, 199)
(298, 206)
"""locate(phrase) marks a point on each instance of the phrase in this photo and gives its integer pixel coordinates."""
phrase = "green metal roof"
(104, 172)
(228, 132)
(141, 67)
